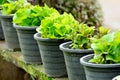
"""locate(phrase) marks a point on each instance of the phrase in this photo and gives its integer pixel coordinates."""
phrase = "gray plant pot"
(117, 77)
(99, 71)
(10, 33)
(28, 45)
(1, 32)
(52, 57)
(72, 56)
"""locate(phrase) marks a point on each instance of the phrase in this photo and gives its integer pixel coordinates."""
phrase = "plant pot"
(99, 71)
(1, 32)
(72, 56)
(52, 57)
(28, 45)
(10, 33)
(116, 77)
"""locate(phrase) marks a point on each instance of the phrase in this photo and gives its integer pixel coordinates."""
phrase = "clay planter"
(74, 68)
(10, 33)
(99, 71)
(52, 57)
(28, 45)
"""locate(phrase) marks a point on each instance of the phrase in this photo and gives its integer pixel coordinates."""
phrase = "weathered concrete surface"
(2, 44)
(34, 70)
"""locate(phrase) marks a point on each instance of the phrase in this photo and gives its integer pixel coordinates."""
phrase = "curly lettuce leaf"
(107, 49)
(57, 26)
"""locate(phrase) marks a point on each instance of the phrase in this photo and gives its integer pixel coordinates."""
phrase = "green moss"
(36, 71)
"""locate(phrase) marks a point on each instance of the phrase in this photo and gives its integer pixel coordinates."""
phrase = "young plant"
(33, 15)
(57, 26)
(5, 1)
(82, 36)
(107, 49)
(13, 6)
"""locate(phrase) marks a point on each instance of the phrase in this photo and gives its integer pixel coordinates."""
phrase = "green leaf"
(13, 6)
(103, 30)
(32, 15)
(57, 26)
(3, 1)
(108, 47)
(81, 36)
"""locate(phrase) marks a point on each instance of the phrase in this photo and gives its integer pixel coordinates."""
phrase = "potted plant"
(8, 10)
(80, 46)
(26, 20)
(51, 34)
(104, 63)
(1, 31)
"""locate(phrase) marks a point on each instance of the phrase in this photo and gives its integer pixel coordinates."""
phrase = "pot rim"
(37, 37)
(65, 47)
(88, 64)
(6, 16)
(116, 77)
(25, 27)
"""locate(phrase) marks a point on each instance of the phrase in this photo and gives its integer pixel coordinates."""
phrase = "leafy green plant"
(2, 1)
(32, 16)
(5, 1)
(57, 26)
(107, 49)
(85, 11)
(82, 35)
(13, 6)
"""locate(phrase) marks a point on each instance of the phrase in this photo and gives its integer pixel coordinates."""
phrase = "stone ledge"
(35, 70)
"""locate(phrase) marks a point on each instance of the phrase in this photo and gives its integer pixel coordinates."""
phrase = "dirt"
(9, 71)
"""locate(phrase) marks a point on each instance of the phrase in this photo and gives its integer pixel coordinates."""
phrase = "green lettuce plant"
(2, 1)
(13, 6)
(6, 1)
(57, 26)
(83, 35)
(107, 49)
(32, 16)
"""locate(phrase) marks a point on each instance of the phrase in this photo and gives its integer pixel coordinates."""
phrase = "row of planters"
(88, 11)
(54, 32)
(26, 18)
